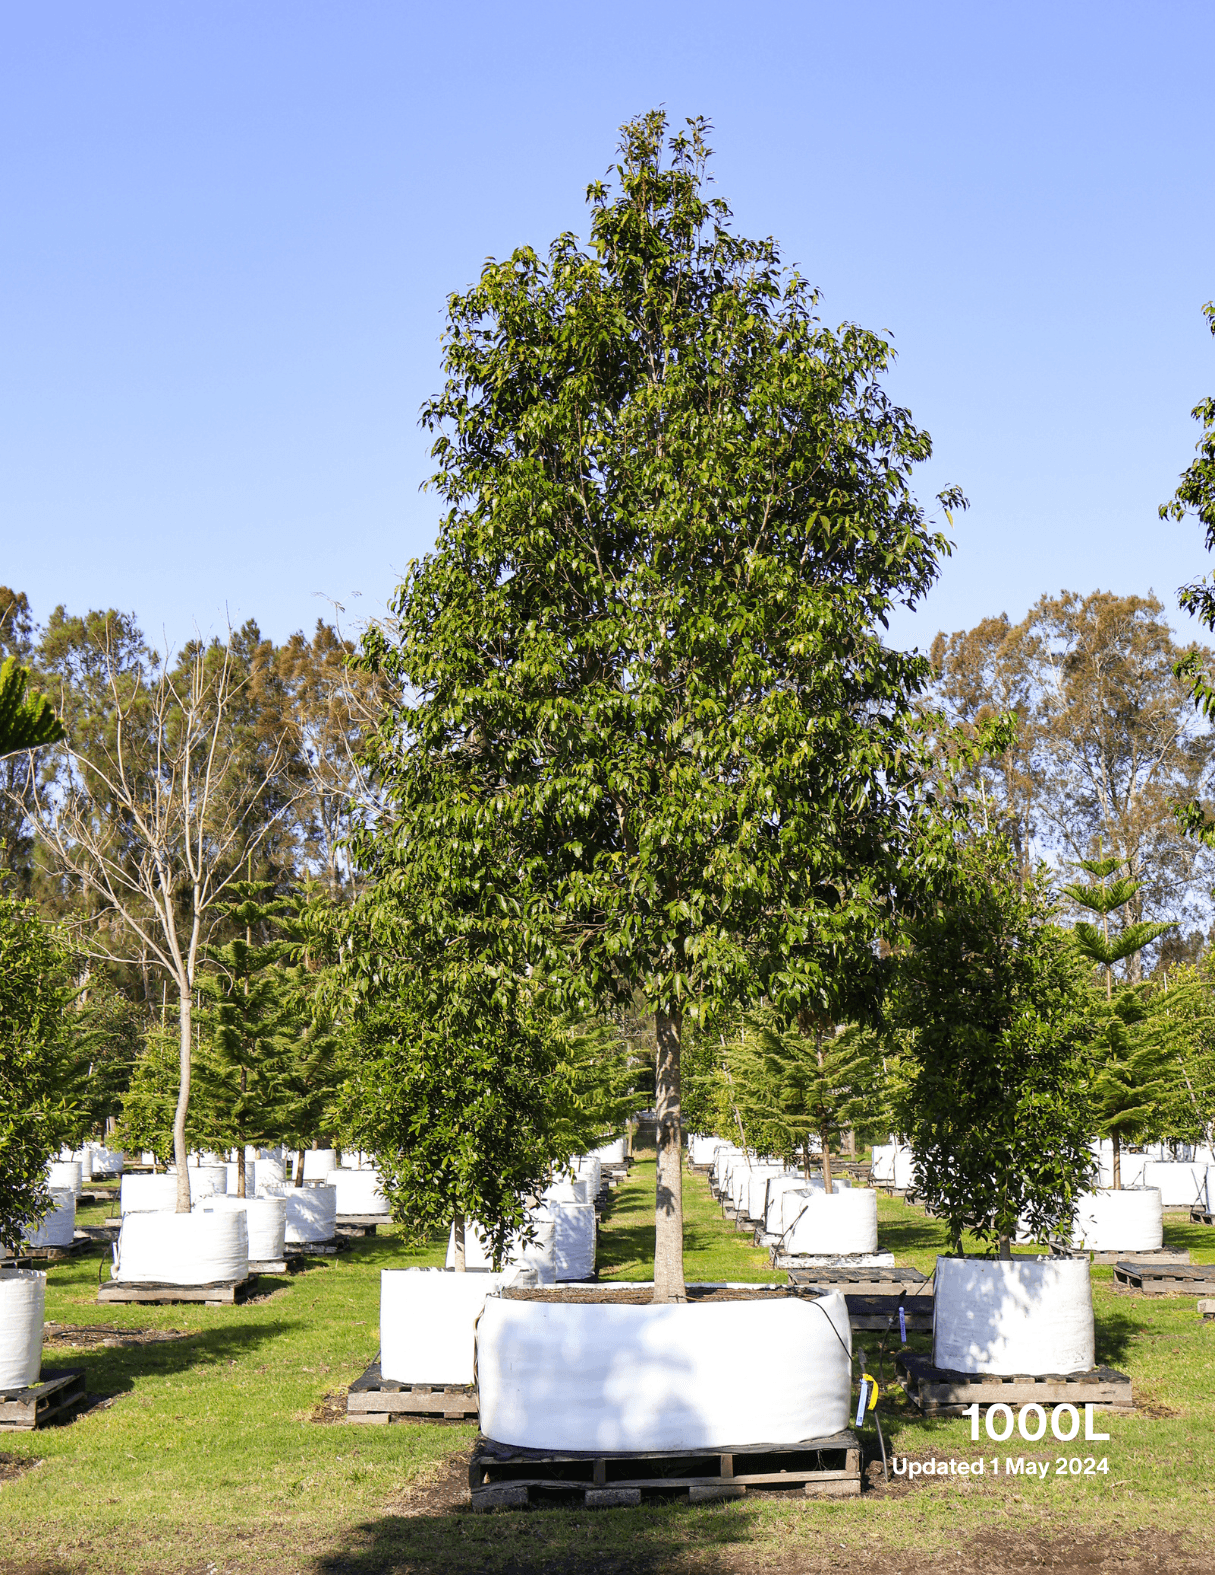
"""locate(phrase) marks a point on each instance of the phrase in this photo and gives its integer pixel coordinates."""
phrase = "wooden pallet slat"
(1165, 1280)
(375, 1400)
(224, 1293)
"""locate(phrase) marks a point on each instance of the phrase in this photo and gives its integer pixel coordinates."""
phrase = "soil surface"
(643, 1295)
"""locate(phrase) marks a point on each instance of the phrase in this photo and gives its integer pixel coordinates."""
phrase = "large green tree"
(652, 717)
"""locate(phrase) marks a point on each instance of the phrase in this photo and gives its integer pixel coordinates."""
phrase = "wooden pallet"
(940, 1393)
(375, 1400)
(33, 1255)
(862, 1281)
(882, 1312)
(1206, 1307)
(52, 1399)
(501, 1477)
(1177, 1279)
(1201, 1216)
(315, 1249)
(360, 1224)
(1102, 1258)
(268, 1266)
(224, 1293)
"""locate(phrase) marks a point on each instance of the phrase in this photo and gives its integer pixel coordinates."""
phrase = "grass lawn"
(215, 1449)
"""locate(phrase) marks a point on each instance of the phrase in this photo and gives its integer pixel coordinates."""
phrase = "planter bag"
(428, 1321)
(1210, 1187)
(358, 1192)
(610, 1153)
(205, 1180)
(573, 1240)
(1129, 1220)
(1182, 1185)
(539, 1255)
(318, 1162)
(582, 1376)
(774, 1194)
(270, 1173)
(65, 1175)
(107, 1161)
(265, 1220)
(755, 1198)
(58, 1226)
(567, 1192)
(22, 1309)
(832, 1224)
(311, 1212)
(702, 1149)
(143, 1194)
(203, 1248)
(590, 1170)
(232, 1178)
(1026, 1315)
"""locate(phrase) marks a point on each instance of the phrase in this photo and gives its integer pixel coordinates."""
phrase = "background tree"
(991, 998)
(152, 806)
(1103, 897)
(35, 1115)
(654, 713)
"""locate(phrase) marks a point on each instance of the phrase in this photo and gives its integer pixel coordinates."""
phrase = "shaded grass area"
(205, 1457)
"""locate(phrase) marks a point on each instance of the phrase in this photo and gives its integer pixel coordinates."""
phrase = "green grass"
(208, 1457)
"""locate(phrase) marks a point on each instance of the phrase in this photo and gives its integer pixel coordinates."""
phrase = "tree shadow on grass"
(1116, 1327)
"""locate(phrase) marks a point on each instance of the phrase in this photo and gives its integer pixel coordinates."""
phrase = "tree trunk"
(1006, 1248)
(668, 1197)
(240, 1140)
(460, 1264)
(299, 1168)
(806, 1155)
(850, 1143)
(825, 1138)
(183, 1103)
(1117, 1177)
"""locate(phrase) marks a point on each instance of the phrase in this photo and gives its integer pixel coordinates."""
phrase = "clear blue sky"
(229, 230)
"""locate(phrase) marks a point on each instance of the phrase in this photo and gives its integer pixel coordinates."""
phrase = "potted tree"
(992, 997)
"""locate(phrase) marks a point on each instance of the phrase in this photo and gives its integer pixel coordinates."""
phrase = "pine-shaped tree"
(254, 1022)
(793, 1082)
(1103, 896)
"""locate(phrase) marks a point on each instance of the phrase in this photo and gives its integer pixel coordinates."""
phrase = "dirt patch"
(329, 1408)
(100, 1336)
(443, 1494)
(13, 1466)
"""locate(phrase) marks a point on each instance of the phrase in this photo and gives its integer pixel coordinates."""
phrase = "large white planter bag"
(311, 1213)
(573, 1240)
(773, 1196)
(590, 1376)
(1182, 1185)
(1210, 1199)
(1024, 1315)
(269, 1173)
(428, 1322)
(108, 1161)
(205, 1180)
(835, 1224)
(754, 1198)
(702, 1149)
(65, 1175)
(539, 1255)
(318, 1162)
(358, 1192)
(203, 1248)
(590, 1169)
(1129, 1220)
(265, 1219)
(232, 1178)
(144, 1194)
(610, 1153)
(568, 1191)
(22, 1309)
(58, 1226)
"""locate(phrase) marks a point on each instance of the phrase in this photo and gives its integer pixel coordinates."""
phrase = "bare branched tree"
(150, 810)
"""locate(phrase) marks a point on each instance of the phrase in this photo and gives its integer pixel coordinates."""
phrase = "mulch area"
(100, 1336)
(622, 1294)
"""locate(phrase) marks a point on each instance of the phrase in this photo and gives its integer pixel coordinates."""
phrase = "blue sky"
(229, 231)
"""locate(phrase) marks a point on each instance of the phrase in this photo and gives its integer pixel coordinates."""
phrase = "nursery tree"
(255, 1020)
(35, 990)
(653, 722)
(997, 1015)
(793, 1083)
(1103, 897)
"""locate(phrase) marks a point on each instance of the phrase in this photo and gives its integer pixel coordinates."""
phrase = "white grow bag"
(1181, 1184)
(358, 1192)
(311, 1212)
(428, 1321)
(1210, 1200)
(1024, 1315)
(590, 1169)
(318, 1162)
(232, 1178)
(539, 1255)
(573, 1240)
(265, 1221)
(107, 1161)
(575, 1191)
(270, 1174)
(592, 1376)
(65, 1175)
(58, 1226)
(183, 1249)
(721, 1162)
(205, 1180)
(778, 1186)
(702, 1149)
(1129, 1220)
(831, 1224)
(610, 1153)
(22, 1309)
(146, 1194)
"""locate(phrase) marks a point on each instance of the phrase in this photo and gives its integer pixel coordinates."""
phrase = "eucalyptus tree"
(653, 724)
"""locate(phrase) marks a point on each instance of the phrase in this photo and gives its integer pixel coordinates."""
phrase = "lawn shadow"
(1115, 1328)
